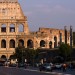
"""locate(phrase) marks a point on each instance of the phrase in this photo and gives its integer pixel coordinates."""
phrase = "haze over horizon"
(49, 13)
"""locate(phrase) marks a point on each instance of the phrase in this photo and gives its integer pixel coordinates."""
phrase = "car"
(1, 64)
(13, 65)
(22, 65)
(58, 66)
(45, 67)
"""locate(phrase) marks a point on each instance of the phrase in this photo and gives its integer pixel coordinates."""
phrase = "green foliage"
(23, 53)
(65, 50)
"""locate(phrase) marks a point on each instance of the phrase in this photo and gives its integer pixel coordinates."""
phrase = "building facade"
(14, 31)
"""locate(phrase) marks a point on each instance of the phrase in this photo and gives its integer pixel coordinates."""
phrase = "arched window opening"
(3, 10)
(55, 42)
(21, 28)
(3, 28)
(3, 57)
(42, 43)
(12, 57)
(21, 43)
(12, 28)
(30, 44)
(12, 44)
(50, 44)
(3, 44)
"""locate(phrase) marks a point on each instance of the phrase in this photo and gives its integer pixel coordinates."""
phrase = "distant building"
(14, 31)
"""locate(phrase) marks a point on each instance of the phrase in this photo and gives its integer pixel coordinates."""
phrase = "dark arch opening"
(3, 28)
(30, 44)
(12, 43)
(3, 44)
(50, 44)
(42, 43)
(55, 42)
(12, 28)
(21, 42)
(3, 57)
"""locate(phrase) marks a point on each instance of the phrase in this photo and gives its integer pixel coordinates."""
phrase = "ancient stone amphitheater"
(14, 31)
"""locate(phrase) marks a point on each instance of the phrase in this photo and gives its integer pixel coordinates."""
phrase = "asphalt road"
(21, 71)
(18, 71)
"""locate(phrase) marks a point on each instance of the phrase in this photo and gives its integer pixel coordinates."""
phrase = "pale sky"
(49, 13)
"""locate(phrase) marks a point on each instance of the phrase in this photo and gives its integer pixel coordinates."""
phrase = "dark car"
(12, 65)
(1, 64)
(20, 65)
(45, 67)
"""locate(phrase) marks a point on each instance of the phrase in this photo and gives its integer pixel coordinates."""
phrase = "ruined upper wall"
(8, 0)
(10, 9)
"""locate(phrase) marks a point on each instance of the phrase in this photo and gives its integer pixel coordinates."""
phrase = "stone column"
(7, 28)
(25, 43)
(26, 30)
(53, 42)
(16, 28)
(0, 27)
(7, 47)
(0, 43)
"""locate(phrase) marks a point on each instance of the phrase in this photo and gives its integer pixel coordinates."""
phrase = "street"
(18, 71)
(22, 71)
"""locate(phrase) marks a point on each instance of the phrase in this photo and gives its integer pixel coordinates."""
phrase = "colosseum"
(14, 30)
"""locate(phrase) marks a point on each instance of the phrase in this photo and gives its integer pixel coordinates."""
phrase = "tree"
(23, 53)
(65, 51)
(19, 53)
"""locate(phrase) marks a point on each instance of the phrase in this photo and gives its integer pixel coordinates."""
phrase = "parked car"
(20, 65)
(45, 67)
(1, 64)
(58, 66)
(13, 65)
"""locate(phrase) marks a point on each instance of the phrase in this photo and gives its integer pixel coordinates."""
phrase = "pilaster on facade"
(0, 27)
(7, 28)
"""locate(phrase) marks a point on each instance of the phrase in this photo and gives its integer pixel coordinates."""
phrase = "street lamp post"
(71, 37)
(22, 57)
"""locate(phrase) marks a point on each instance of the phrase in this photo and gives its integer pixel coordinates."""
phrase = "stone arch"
(55, 41)
(12, 28)
(30, 43)
(21, 28)
(50, 44)
(12, 57)
(3, 43)
(3, 57)
(42, 43)
(21, 42)
(12, 43)
(3, 28)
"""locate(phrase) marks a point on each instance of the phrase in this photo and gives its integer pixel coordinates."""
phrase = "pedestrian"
(25, 65)
(64, 67)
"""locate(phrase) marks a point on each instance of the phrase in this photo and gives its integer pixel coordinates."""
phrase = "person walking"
(64, 67)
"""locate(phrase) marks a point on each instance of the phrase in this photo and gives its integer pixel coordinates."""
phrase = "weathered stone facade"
(14, 30)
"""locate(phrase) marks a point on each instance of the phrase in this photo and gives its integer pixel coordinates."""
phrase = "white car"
(58, 66)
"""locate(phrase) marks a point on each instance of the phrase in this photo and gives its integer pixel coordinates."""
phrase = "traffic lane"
(17, 71)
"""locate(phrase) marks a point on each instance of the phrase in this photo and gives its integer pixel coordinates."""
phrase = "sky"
(49, 13)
